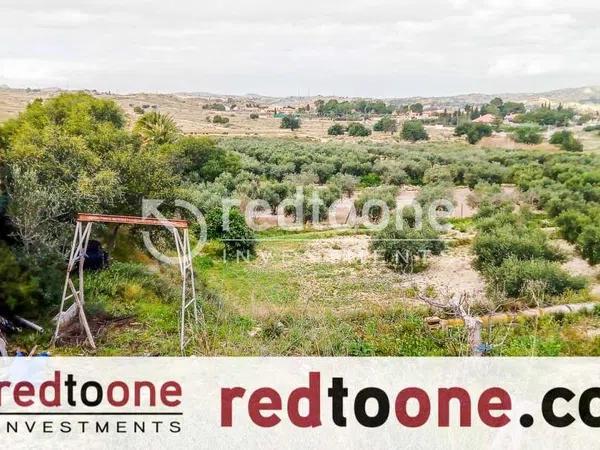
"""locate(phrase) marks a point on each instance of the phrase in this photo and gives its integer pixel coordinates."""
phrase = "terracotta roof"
(486, 118)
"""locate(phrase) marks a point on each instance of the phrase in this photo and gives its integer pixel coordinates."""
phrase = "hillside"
(183, 104)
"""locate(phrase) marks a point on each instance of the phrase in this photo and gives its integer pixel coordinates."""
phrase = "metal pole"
(74, 245)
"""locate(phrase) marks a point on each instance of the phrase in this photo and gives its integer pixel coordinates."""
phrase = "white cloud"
(36, 70)
(382, 47)
(60, 18)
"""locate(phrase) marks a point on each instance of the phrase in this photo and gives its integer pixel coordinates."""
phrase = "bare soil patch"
(100, 324)
(451, 272)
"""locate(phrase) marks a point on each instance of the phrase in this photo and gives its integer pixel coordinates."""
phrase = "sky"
(375, 48)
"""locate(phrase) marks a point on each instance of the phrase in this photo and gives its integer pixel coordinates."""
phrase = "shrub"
(474, 131)
(18, 291)
(433, 192)
(386, 124)
(199, 158)
(591, 128)
(220, 119)
(239, 240)
(413, 130)
(254, 116)
(406, 249)
(487, 221)
(386, 194)
(215, 107)
(315, 210)
(370, 179)
(571, 224)
(438, 174)
(138, 110)
(336, 130)
(514, 275)
(273, 193)
(566, 140)
(496, 246)
(527, 134)
(290, 122)
(589, 243)
(345, 183)
(358, 129)
(559, 117)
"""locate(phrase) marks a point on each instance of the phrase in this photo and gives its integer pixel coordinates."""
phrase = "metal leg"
(78, 251)
(188, 285)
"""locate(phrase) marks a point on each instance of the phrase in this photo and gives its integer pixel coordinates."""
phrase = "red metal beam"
(130, 220)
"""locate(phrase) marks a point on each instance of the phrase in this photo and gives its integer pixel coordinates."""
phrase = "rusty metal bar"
(131, 220)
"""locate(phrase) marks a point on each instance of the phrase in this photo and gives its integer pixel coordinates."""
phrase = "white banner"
(263, 403)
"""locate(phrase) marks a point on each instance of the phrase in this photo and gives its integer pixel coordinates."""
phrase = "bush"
(17, 289)
(496, 246)
(434, 192)
(290, 122)
(311, 205)
(514, 275)
(345, 183)
(591, 128)
(571, 224)
(220, 119)
(239, 240)
(559, 117)
(386, 194)
(358, 129)
(566, 140)
(254, 116)
(438, 174)
(138, 110)
(199, 158)
(413, 130)
(386, 124)
(406, 249)
(474, 131)
(489, 218)
(527, 134)
(215, 107)
(336, 130)
(589, 243)
(370, 179)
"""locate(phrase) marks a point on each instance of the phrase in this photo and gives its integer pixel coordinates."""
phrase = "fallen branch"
(458, 306)
(498, 318)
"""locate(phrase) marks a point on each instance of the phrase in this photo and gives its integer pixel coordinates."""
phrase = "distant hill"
(583, 95)
(14, 100)
(588, 95)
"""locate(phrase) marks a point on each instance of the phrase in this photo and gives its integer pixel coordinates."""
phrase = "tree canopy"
(413, 130)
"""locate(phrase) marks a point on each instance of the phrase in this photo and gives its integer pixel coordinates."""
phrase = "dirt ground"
(451, 272)
(576, 265)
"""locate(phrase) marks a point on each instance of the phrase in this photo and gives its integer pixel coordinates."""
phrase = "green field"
(529, 239)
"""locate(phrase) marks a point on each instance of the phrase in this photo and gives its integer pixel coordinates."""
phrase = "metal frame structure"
(83, 228)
